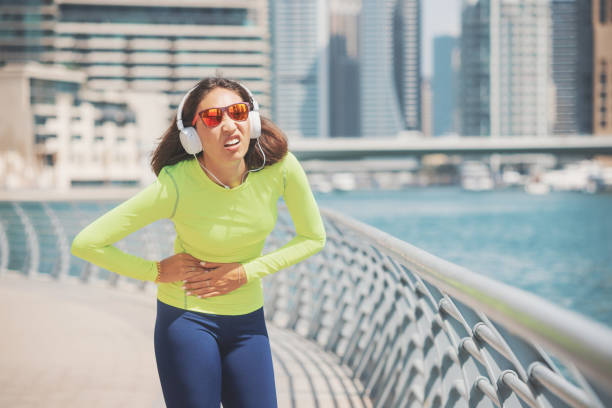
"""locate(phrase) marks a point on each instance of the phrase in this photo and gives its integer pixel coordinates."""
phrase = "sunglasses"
(212, 117)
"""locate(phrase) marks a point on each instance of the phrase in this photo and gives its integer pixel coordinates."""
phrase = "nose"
(227, 123)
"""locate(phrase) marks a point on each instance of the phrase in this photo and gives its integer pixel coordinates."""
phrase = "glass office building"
(390, 67)
(344, 92)
(299, 67)
(505, 58)
(444, 85)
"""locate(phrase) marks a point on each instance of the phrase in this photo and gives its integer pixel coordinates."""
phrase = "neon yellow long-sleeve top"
(212, 224)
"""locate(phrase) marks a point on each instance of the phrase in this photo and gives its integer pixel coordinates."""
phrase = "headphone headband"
(179, 112)
(189, 135)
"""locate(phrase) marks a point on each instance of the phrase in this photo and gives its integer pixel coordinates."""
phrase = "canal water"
(558, 246)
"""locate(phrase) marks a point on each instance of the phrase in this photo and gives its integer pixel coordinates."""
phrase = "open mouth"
(232, 142)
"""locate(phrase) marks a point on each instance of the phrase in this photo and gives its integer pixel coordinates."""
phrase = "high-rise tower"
(572, 66)
(602, 78)
(505, 58)
(344, 90)
(390, 67)
(299, 67)
(444, 85)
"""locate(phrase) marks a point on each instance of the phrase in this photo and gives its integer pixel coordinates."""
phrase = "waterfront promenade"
(67, 344)
(398, 325)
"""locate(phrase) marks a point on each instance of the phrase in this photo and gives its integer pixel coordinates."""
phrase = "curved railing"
(419, 331)
(413, 329)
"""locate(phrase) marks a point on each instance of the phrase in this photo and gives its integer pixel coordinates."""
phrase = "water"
(558, 246)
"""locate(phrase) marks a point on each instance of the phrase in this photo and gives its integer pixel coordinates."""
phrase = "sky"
(440, 17)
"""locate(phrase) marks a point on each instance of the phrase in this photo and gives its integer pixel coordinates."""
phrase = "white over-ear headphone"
(189, 135)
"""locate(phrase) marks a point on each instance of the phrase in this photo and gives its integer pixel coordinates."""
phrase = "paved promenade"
(74, 345)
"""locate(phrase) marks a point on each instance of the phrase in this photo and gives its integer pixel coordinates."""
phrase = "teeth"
(233, 142)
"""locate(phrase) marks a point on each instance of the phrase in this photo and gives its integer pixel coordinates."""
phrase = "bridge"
(359, 148)
(368, 321)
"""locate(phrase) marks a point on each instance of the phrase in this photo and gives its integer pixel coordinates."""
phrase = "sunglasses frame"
(223, 110)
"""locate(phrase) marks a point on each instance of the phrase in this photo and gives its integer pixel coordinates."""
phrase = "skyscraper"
(572, 66)
(299, 67)
(344, 91)
(407, 60)
(444, 85)
(505, 57)
(475, 44)
(426, 108)
(390, 67)
(602, 92)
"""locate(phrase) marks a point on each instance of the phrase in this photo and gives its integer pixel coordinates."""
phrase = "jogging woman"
(221, 170)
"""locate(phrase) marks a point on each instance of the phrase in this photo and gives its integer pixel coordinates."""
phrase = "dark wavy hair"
(170, 150)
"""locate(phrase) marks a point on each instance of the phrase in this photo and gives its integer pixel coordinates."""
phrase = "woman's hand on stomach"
(178, 266)
(215, 279)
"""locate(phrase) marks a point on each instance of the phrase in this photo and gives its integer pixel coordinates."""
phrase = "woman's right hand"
(176, 267)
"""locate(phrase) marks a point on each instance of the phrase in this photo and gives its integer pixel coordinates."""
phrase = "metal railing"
(414, 330)
(419, 331)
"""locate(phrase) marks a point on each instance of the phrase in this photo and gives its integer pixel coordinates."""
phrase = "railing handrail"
(569, 335)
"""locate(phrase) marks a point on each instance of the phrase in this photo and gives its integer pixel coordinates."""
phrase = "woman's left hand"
(219, 279)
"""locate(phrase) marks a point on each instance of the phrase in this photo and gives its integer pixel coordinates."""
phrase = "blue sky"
(440, 17)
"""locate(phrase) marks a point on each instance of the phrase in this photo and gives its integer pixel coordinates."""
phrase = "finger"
(198, 276)
(198, 285)
(211, 294)
(210, 265)
(201, 291)
(192, 268)
(204, 291)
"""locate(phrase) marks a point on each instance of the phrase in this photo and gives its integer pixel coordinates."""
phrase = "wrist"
(159, 272)
(241, 275)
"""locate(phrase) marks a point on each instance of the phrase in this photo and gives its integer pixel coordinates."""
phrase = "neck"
(228, 174)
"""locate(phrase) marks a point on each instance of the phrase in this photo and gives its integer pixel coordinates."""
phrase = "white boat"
(537, 188)
(344, 181)
(476, 176)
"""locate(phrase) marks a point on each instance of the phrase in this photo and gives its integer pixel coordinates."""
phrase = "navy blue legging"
(205, 359)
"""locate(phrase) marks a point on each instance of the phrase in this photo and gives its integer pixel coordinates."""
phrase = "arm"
(94, 242)
(310, 233)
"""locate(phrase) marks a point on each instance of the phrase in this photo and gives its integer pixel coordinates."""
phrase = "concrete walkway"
(73, 345)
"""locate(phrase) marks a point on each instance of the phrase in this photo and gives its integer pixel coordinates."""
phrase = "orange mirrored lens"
(212, 117)
(238, 111)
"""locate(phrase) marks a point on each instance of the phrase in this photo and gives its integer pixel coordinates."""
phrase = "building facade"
(572, 66)
(444, 85)
(299, 67)
(475, 84)
(139, 57)
(602, 78)
(505, 58)
(390, 67)
(426, 108)
(57, 134)
(407, 60)
(344, 91)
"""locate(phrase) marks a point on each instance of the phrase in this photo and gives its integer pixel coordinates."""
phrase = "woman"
(219, 182)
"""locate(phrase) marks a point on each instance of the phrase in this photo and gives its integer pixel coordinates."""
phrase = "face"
(228, 141)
